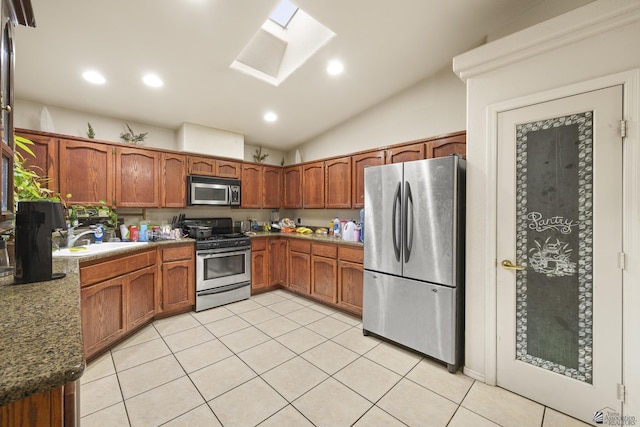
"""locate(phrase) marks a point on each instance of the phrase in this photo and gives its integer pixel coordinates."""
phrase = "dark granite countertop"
(40, 334)
(41, 331)
(313, 237)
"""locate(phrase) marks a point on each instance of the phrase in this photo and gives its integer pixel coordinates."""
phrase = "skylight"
(282, 14)
(276, 51)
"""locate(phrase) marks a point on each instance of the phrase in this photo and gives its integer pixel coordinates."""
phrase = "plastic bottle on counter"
(98, 234)
(336, 227)
(134, 233)
(144, 237)
(330, 229)
(124, 233)
(73, 217)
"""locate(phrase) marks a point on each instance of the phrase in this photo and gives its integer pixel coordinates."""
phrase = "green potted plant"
(27, 184)
(132, 137)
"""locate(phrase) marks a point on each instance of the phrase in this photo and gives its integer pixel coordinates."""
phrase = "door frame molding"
(630, 211)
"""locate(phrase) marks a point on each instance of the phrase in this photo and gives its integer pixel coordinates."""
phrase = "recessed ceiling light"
(152, 80)
(270, 117)
(335, 67)
(94, 77)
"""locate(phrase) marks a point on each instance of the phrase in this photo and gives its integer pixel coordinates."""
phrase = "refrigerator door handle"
(395, 233)
(408, 221)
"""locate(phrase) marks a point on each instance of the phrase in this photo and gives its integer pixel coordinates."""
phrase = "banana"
(303, 230)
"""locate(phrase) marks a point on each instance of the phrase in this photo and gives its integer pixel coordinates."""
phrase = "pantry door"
(559, 241)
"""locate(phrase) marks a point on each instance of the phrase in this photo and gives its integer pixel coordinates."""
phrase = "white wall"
(597, 40)
(69, 122)
(434, 106)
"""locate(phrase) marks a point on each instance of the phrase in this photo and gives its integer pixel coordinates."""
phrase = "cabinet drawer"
(116, 267)
(329, 251)
(300, 246)
(351, 254)
(177, 253)
(258, 244)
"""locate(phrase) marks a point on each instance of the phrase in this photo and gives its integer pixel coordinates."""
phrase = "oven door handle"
(208, 255)
(221, 289)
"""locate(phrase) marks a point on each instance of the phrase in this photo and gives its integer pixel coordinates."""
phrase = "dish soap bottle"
(336, 227)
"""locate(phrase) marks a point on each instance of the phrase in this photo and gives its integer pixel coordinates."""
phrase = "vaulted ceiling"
(386, 46)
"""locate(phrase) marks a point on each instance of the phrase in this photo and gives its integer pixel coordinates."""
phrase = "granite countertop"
(40, 334)
(124, 250)
(41, 344)
(314, 237)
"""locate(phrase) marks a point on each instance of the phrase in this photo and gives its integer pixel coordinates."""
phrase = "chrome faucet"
(73, 238)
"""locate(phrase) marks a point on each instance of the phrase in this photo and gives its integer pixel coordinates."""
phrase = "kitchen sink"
(79, 251)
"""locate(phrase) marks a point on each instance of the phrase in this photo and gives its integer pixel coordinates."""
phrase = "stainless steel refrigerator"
(414, 256)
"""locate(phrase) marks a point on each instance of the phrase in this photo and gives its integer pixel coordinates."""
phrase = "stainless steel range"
(223, 262)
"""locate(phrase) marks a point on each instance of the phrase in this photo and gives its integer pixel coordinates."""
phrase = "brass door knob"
(508, 265)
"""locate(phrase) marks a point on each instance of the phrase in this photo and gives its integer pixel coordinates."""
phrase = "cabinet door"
(358, 164)
(141, 299)
(313, 185)
(406, 153)
(259, 269)
(103, 314)
(86, 172)
(228, 169)
(202, 166)
(292, 198)
(137, 178)
(337, 177)
(323, 278)
(251, 196)
(300, 272)
(178, 285)
(350, 282)
(45, 162)
(447, 146)
(278, 261)
(42, 409)
(271, 187)
(174, 181)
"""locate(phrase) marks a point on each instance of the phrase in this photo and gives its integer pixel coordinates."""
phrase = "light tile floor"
(281, 360)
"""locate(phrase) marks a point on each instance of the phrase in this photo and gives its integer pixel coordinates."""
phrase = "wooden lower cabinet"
(44, 409)
(177, 289)
(259, 264)
(300, 266)
(324, 270)
(278, 261)
(350, 279)
(141, 301)
(121, 300)
(103, 314)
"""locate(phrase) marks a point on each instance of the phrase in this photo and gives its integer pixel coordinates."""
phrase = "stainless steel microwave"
(205, 190)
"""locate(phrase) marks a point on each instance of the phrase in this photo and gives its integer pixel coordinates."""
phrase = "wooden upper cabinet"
(313, 185)
(174, 181)
(228, 169)
(86, 172)
(406, 153)
(271, 187)
(137, 178)
(292, 197)
(202, 166)
(337, 182)
(447, 146)
(207, 166)
(251, 196)
(358, 164)
(45, 162)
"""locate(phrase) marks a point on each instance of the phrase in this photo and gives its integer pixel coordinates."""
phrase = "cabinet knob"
(7, 108)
